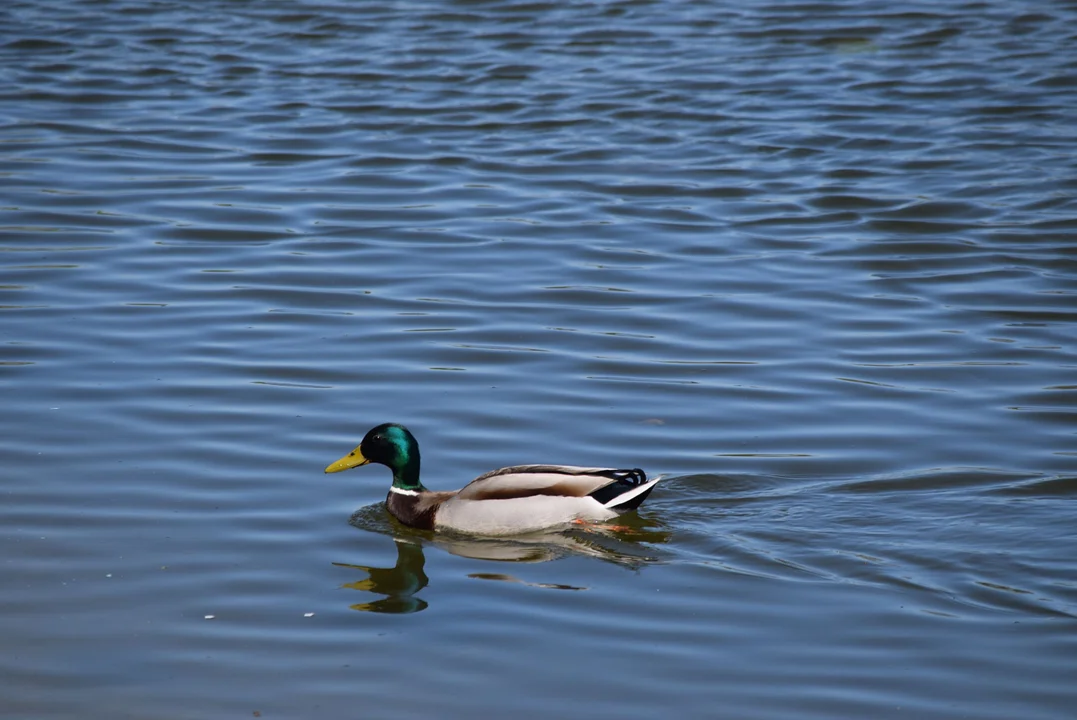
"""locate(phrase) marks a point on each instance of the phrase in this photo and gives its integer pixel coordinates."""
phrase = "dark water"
(818, 262)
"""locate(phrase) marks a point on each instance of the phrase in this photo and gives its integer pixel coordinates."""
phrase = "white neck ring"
(402, 491)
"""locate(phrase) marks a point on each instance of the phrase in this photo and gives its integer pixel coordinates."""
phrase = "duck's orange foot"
(591, 525)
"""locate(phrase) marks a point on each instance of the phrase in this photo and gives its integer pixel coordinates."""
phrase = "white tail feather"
(634, 492)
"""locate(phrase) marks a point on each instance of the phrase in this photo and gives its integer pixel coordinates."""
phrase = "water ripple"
(814, 260)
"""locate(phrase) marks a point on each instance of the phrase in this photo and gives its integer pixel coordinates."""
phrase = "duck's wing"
(606, 485)
(529, 498)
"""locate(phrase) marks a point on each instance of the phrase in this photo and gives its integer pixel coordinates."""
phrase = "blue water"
(815, 262)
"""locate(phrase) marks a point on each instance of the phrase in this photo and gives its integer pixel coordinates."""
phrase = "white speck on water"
(308, 614)
(210, 617)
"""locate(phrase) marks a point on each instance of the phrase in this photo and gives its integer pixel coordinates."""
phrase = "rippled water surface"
(817, 262)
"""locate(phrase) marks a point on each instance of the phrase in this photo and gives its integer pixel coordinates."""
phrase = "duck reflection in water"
(398, 584)
(401, 583)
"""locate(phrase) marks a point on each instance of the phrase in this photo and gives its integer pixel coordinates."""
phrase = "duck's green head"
(391, 445)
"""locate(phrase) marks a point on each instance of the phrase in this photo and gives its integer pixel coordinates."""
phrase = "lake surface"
(815, 262)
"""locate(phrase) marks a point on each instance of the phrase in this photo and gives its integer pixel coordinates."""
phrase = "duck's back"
(527, 498)
(521, 481)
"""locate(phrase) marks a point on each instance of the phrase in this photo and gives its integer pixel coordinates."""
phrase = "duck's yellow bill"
(352, 459)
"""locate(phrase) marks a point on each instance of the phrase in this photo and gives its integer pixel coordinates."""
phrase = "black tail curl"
(623, 481)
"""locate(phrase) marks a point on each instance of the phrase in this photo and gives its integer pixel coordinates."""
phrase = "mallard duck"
(509, 501)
